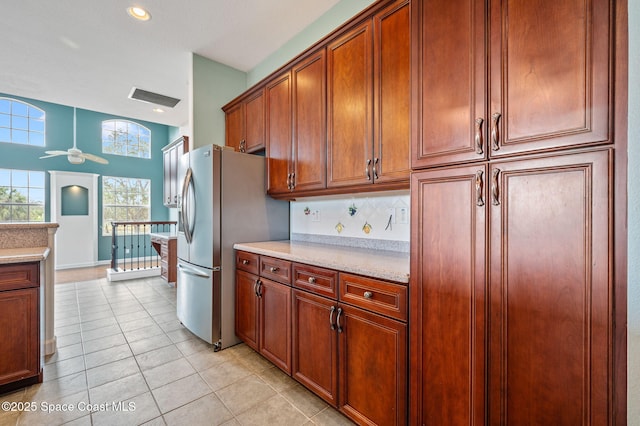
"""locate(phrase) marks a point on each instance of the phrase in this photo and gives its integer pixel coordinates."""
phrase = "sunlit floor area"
(123, 358)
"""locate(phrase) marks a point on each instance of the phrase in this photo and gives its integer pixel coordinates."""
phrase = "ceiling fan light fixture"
(138, 13)
(74, 159)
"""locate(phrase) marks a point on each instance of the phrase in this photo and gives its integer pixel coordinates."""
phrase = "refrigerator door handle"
(186, 185)
(192, 271)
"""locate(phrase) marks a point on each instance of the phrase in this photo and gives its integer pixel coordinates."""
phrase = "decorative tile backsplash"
(374, 220)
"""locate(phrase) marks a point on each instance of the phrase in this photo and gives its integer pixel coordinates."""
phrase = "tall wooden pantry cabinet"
(515, 195)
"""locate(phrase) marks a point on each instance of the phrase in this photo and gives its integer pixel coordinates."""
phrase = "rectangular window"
(21, 196)
(125, 200)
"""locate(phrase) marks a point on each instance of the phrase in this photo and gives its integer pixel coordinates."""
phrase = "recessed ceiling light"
(159, 110)
(138, 13)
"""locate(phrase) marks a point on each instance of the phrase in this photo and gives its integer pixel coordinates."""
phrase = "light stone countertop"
(387, 265)
(26, 254)
(164, 235)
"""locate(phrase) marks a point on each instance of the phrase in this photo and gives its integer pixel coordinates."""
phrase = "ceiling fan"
(74, 155)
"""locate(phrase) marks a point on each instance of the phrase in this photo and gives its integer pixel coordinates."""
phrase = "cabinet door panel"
(349, 108)
(247, 308)
(167, 181)
(373, 367)
(278, 97)
(254, 122)
(234, 126)
(19, 351)
(550, 286)
(309, 123)
(447, 296)
(392, 92)
(449, 56)
(315, 345)
(275, 323)
(550, 73)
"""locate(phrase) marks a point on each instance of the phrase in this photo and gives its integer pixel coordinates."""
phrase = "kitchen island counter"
(382, 264)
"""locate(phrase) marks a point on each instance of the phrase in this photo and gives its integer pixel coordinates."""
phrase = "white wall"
(359, 217)
(633, 296)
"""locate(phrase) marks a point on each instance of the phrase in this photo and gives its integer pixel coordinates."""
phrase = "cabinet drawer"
(323, 282)
(275, 269)
(164, 250)
(164, 270)
(19, 275)
(248, 262)
(378, 296)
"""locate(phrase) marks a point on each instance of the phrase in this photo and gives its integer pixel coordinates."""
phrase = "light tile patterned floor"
(121, 343)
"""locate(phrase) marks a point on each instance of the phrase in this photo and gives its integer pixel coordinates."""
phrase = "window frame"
(124, 151)
(106, 222)
(29, 188)
(28, 131)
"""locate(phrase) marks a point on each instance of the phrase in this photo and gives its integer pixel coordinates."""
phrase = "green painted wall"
(59, 136)
(214, 85)
(333, 18)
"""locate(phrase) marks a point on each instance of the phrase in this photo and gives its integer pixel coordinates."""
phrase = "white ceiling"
(90, 53)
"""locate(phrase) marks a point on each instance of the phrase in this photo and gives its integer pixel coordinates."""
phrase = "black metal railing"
(131, 247)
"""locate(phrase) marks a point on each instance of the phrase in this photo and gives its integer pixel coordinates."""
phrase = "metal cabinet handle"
(479, 183)
(243, 146)
(333, 326)
(495, 132)
(259, 288)
(255, 288)
(338, 320)
(376, 162)
(495, 191)
(293, 180)
(169, 199)
(274, 269)
(367, 172)
(312, 280)
(368, 295)
(245, 262)
(289, 181)
(479, 143)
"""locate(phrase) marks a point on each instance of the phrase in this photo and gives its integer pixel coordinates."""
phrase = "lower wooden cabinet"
(354, 359)
(511, 292)
(342, 336)
(263, 315)
(20, 355)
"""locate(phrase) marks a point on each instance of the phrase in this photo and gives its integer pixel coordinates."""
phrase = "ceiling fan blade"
(56, 152)
(95, 158)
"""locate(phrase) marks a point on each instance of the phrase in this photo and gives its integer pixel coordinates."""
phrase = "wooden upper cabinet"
(550, 80)
(234, 126)
(278, 102)
(171, 155)
(309, 154)
(254, 122)
(550, 287)
(548, 83)
(244, 123)
(349, 108)
(392, 92)
(449, 66)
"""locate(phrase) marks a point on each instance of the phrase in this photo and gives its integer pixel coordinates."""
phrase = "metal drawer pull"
(255, 288)
(495, 132)
(312, 280)
(274, 269)
(479, 200)
(338, 320)
(368, 295)
(245, 262)
(495, 192)
(375, 168)
(479, 144)
(333, 326)
(366, 170)
(259, 288)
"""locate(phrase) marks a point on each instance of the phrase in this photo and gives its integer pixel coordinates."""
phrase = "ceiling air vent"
(153, 98)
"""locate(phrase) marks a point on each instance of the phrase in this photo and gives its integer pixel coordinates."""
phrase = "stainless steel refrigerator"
(223, 201)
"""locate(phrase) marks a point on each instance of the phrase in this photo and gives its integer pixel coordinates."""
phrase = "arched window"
(123, 137)
(21, 123)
